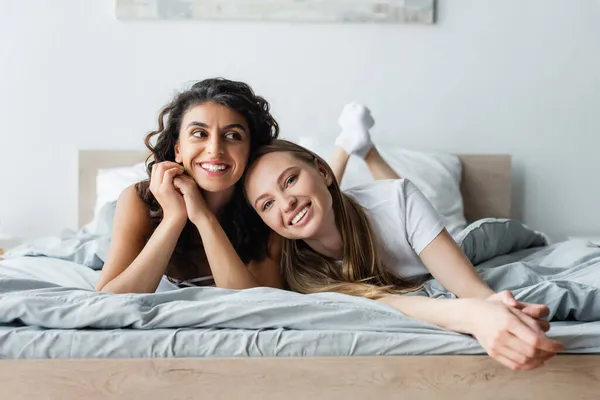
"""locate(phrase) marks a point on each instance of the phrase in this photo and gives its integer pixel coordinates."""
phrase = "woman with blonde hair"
(379, 241)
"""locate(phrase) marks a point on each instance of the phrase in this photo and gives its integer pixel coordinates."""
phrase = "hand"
(507, 335)
(536, 311)
(356, 117)
(169, 198)
(195, 205)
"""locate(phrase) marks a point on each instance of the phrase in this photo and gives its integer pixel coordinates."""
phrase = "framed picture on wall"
(354, 11)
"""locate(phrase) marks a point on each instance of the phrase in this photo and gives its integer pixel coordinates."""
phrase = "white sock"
(357, 143)
(355, 121)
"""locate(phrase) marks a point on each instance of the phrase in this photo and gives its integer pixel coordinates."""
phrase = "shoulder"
(131, 209)
(131, 199)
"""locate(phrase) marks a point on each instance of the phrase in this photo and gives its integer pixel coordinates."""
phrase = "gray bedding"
(42, 315)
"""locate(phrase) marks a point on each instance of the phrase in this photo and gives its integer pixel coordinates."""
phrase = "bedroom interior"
(489, 107)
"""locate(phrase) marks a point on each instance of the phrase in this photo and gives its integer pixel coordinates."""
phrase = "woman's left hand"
(195, 205)
(536, 311)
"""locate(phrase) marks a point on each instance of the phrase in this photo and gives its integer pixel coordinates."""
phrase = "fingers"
(531, 309)
(536, 313)
(523, 353)
(159, 170)
(170, 164)
(179, 183)
(518, 341)
(508, 298)
(534, 310)
(163, 172)
(154, 182)
(537, 325)
(524, 331)
(170, 174)
(507, 362)
(543, 325)
(516, 354)
(184, 182)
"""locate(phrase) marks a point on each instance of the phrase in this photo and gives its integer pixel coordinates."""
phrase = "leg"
(338, 161)
(379, 168)
(355, 139)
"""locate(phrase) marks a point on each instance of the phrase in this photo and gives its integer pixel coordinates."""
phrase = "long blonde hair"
(362, 273)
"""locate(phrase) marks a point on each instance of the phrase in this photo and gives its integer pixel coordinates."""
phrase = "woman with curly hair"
(189, 220)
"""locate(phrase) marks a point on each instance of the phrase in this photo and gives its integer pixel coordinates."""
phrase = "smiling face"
(213, 145)
(291, 195)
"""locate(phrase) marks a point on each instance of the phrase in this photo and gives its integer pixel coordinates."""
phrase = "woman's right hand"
(169, 198)
(510, 336)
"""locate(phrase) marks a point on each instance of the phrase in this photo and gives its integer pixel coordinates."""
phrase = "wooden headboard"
(485, 187)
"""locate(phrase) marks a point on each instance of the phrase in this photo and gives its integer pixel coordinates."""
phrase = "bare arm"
(227, 268)
(452, 269)
(506, 334)
(136, 264)
(446, 313)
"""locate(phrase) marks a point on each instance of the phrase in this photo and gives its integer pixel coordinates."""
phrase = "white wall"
(502, 76)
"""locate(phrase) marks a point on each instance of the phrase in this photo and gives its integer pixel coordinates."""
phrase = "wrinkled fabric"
(61, 316)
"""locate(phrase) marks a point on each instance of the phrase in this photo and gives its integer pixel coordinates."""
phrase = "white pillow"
(110, 182)
(437, 175)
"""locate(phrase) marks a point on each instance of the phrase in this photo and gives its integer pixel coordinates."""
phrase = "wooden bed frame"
(486, 190)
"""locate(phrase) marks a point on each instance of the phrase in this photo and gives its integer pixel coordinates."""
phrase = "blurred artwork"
(367, 11)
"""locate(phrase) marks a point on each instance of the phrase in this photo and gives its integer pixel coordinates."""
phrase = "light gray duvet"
(42, 315)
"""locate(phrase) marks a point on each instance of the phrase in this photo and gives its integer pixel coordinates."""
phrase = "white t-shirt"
(403, 222)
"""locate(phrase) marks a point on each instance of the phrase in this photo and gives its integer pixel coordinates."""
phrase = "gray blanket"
(263, 321)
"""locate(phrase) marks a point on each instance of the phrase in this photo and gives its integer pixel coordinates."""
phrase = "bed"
(486, 190)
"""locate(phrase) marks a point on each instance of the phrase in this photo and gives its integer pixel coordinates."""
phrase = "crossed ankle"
(355, 142)
(364, 151)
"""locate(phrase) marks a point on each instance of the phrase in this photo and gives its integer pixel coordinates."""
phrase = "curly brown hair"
(244, 229)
